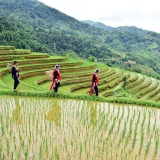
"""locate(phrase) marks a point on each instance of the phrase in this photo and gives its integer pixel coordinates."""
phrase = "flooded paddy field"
(61, 129)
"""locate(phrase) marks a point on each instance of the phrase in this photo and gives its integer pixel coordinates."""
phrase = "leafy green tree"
(91, 59)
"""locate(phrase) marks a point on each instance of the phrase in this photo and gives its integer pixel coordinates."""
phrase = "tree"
(91, 59)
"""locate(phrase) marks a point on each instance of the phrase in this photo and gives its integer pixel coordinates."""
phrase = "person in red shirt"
(94, 82)
(56, 79)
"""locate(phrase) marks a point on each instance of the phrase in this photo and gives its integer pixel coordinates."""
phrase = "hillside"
(19, 36)
(45, 29)
(51, 41)
(76, 75)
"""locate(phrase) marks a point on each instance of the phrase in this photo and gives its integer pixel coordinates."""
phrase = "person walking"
(15, 75)
(94, 83)
(56, 79)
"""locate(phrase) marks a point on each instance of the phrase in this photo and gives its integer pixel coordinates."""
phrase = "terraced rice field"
(59, 129)
(76, 76)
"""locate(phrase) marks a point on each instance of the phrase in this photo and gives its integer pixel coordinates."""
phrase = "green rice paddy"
(64, 129)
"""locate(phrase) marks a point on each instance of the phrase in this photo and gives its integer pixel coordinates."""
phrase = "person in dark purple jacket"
(15, 75)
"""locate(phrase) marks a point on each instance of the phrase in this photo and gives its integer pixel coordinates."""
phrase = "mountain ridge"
(132, 29)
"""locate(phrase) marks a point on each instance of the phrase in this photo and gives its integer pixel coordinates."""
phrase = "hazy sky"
(144, 14)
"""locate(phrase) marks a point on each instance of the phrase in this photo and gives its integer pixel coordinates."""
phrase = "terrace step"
(146, 83)
(103, 90)
(39, 72)
(32, 81)
(4, 71)
(11, 57)
(83, 74)
(86, 85)
(14, 52)
(37, 56)
(7, 82)
(82, 78)
(63, 82)
(73, 75)
(153, 86)
(49, 65)
(103, 84)
(133, 77)
(110, 92)
(6, 58)
(134, 83)
(113, 84)
(154, 93)
(157, 98)
(44, 82)
(7, 48)
(25, 68)
(33, 61)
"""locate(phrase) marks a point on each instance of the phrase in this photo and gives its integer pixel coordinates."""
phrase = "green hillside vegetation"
(52, 41)
(76, 77)
(32, 25)
(148, 55)
(143, 69)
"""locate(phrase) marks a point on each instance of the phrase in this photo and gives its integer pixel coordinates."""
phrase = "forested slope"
(38, 27)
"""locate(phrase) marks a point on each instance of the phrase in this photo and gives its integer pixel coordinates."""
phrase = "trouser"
(96, 90)
(56, 87)
(16, 83)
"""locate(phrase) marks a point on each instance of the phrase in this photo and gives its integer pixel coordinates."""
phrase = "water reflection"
(17, 112)
(88, 130)
(93, 110)
(55, 114)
